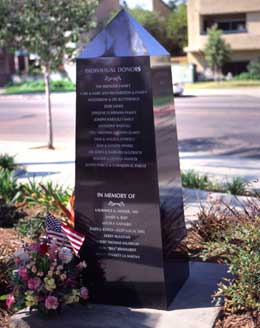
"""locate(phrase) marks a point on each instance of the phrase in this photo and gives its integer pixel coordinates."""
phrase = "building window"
(226, 23)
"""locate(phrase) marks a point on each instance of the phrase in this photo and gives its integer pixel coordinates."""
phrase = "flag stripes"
(63, 235)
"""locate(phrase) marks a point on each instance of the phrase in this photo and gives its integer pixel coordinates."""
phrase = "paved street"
(22, 118)
(218, 134)
(220, 124)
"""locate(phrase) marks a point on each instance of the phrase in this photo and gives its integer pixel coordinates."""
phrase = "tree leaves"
(217, 51)
(45, 27)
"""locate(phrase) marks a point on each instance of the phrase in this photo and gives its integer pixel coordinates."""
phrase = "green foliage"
(217, 51)
(231, 235)
(38, 86)
(236, 186)
(151, 21)
(34, 195)
(241, 249)
(10, 190)
(172, 4)
(236, 83)
(170, 30)
(254, 69)
(192, 179)
(7, 162)
(9, 215)
(47, 28)
(245, 76)
(176, 27)
(253, 72)
(31, 227)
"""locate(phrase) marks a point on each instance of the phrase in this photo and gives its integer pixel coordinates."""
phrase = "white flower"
(65, 255)
(21, 254)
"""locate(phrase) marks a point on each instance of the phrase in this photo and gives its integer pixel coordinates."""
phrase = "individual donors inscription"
(114, 103)
(118, 138)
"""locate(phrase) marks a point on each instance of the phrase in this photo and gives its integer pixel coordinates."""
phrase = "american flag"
(62, 235)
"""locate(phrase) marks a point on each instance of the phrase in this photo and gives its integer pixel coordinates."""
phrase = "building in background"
(240, 22)
(7, 67)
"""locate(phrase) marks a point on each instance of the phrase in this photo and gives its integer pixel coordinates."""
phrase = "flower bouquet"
(46, 277)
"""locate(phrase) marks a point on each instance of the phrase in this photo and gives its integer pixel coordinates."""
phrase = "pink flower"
(23, 274)
(82, 265)
(84, 293)
(51, 303)
(10, 300)
(34, 283)
(34, 247)
(52, 251)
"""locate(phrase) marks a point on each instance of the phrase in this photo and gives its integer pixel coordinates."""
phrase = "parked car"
(178, 89)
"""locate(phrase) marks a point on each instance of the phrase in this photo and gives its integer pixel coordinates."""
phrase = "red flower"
(43, 249)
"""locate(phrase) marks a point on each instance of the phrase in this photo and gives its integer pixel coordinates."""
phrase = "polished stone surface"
(123, 37)
(128, 191)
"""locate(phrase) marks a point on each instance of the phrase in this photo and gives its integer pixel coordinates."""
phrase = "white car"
(178, 89)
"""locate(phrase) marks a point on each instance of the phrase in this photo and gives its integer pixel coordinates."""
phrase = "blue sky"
(145, 4)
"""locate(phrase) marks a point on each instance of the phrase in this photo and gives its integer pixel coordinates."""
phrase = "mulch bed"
(239, 321)
(4, 317)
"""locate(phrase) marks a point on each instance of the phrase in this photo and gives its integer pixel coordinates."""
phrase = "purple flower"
(23, 274)
(84, 293)
(34, 283)
(51, 303)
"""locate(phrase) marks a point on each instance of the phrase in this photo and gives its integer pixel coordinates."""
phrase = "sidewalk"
(222, 168)
(249, 91)
(59, 166)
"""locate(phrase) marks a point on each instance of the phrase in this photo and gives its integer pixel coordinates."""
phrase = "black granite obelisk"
(128, 189)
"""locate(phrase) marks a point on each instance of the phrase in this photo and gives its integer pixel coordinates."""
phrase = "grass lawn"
(38, 86)
(223, 84)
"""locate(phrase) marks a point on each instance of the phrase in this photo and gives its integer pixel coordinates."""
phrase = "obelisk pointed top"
(123, 37)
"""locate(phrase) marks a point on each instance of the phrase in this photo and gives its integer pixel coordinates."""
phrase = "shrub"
(241, 250)
(237, 186)
(10, 190)
(7, 162)
(9, 215)
(253, 72)
(254, 69)
(35, 195)
(32, 227)
(38, 86)
(192, 179)
(245, 76)
(232, 235)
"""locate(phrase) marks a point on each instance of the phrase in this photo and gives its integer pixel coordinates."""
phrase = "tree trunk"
(48, 106)
(215, 73)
